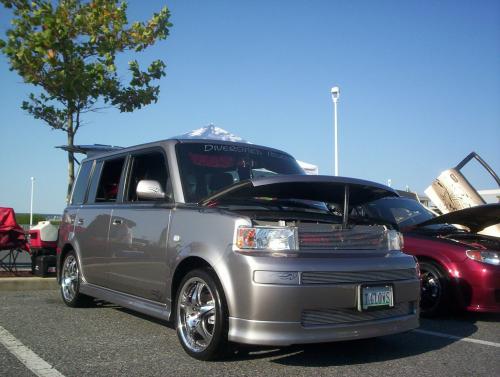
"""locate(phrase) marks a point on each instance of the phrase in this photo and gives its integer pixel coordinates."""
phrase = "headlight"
(485, 256)
(266, 238)
(394, 240)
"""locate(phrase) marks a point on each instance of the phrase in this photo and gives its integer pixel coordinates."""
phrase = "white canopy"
(213, 133)
(310, 169)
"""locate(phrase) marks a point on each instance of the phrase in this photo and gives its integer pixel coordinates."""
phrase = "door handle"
(117, 222)
(80, 221)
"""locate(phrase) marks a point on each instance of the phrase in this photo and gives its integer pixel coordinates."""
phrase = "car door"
(93, 220)
(139, 229)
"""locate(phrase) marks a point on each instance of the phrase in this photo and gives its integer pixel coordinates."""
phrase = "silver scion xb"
(234, 244)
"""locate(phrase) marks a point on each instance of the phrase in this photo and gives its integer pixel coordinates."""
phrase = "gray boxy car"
(234, 244)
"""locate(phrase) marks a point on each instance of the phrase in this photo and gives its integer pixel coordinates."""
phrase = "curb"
(27, 284)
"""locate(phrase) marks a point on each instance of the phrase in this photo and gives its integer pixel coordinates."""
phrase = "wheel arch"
(185, 266)
(445, 265)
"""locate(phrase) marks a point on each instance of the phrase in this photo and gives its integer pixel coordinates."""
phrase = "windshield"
(208, 167)
(401, 211)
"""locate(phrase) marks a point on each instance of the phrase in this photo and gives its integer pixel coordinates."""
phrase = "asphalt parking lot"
(108, 340)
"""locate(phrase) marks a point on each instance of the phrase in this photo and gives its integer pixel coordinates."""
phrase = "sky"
(419, 81)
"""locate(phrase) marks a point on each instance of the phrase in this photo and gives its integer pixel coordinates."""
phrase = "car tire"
(435, 290)
(70, 283)
(201, 315)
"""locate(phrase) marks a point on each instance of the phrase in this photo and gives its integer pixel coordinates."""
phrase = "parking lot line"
(454, 337)
(26, 356)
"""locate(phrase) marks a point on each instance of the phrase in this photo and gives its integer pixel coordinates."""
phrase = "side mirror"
(149, 190)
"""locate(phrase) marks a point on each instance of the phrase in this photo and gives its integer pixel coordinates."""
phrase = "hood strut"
(345, 217)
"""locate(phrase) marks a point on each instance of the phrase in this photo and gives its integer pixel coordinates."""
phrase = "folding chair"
(8, 260)
(12, 240)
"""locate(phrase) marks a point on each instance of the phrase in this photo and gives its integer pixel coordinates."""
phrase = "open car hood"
(475, 218)
(306, 187)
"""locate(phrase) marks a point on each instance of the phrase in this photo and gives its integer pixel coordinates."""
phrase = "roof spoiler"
(89, 150)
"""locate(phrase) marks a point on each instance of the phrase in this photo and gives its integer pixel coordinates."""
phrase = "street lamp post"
(31, 205)
(335, 97)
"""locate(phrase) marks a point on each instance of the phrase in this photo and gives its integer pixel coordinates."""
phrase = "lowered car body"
(459, 267)
(234, 244)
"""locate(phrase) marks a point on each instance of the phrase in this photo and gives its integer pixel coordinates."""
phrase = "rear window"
(209, 167)
(109, 183)
(81, 183)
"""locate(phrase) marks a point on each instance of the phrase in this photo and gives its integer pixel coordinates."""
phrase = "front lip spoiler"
(271, 333)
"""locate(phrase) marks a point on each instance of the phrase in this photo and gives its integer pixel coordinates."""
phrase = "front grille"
(338, 277)
(358, 238)
(323, 317)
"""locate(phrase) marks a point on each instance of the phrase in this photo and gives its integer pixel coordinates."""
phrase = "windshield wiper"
(369, 220)
(297, 204)
(285, 205)
(244, 203)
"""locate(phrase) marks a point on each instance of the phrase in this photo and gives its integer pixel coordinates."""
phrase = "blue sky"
(420, 89)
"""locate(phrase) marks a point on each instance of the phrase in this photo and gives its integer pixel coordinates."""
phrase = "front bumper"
(479, 286)
(321, 308)
(271, 333)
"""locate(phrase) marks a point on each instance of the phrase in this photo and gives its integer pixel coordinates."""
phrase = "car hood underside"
(475, 218)
(305, 187)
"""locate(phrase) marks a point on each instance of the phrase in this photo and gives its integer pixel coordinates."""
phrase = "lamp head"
(335, 93)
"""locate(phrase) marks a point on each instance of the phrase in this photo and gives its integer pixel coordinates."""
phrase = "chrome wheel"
(196, 314)
(69, 278)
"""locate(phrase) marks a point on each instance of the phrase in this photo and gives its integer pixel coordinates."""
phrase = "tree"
(68, 48)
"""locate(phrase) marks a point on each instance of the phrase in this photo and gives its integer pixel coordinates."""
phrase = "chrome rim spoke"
(207, 309)
(201, 329)
(197, 291)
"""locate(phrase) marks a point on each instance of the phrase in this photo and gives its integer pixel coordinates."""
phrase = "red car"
(459, 267)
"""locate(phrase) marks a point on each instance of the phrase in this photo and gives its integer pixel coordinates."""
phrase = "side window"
(109, 183)
(150, 166)
(81, 183)
(94, 182)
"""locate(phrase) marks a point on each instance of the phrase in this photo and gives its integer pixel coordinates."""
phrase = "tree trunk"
(71, 158)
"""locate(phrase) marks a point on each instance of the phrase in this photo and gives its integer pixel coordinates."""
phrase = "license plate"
(375, 297)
